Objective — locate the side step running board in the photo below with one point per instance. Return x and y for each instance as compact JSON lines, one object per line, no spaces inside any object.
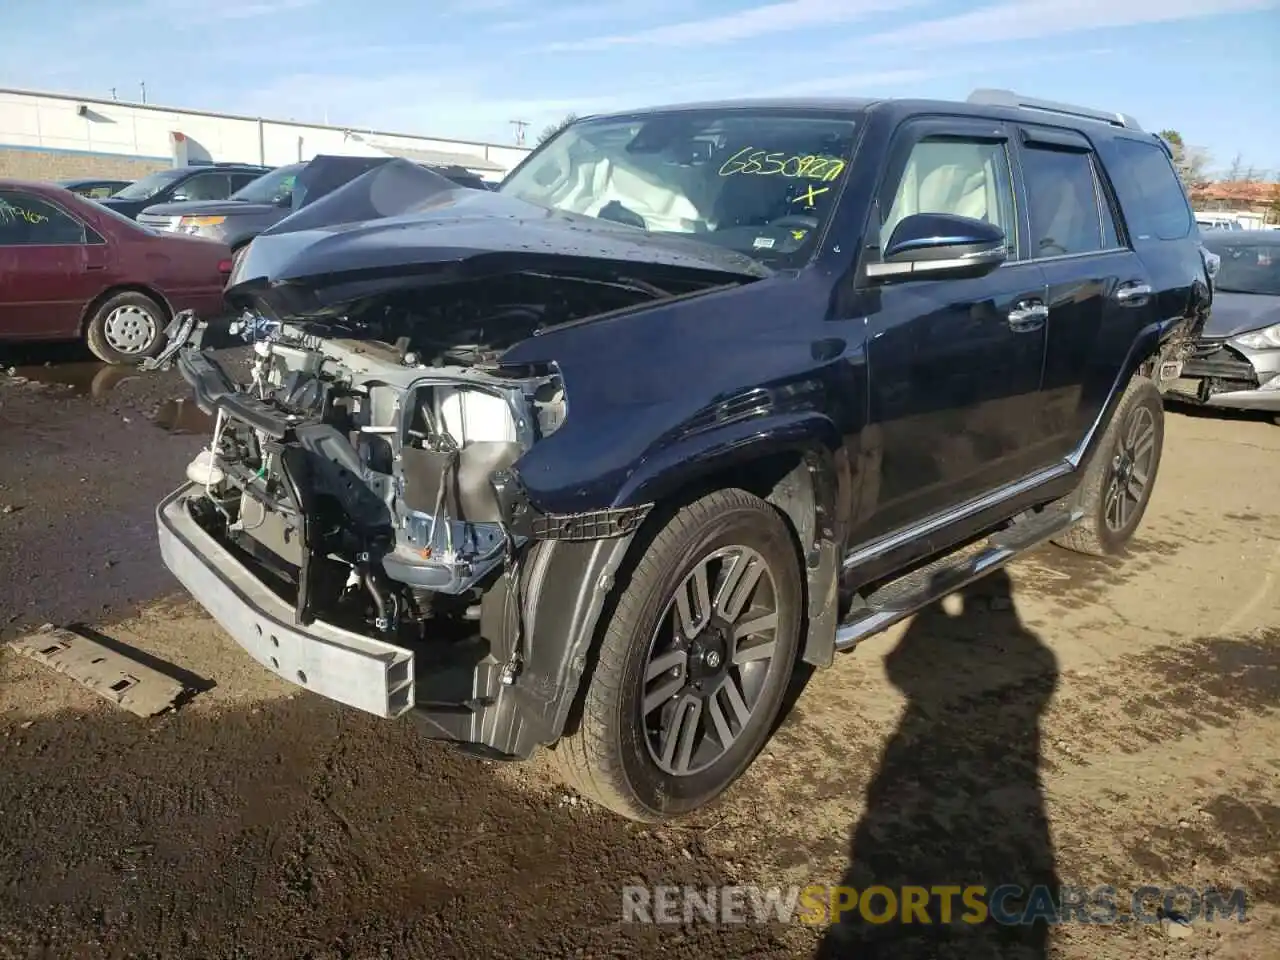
{"x":900,"y":598}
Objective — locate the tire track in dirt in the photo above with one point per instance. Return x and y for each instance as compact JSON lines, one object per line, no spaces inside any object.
{"x":1264,"y":594}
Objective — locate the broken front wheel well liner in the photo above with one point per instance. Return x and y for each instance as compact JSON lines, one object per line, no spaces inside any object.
{"x":783,"y":479}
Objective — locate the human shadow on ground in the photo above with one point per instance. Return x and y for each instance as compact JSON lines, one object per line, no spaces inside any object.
{"x":956,"y":801}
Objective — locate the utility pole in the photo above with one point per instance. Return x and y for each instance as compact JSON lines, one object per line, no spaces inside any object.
{"x":520,"y":126}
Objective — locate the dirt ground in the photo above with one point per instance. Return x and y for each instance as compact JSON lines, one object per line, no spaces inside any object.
{"x":1072,"y":722}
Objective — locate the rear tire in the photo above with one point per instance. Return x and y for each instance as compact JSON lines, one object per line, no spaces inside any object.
{"x":1117,"y":484}
{"x":126,"y":327}
{"x":694,"y":664}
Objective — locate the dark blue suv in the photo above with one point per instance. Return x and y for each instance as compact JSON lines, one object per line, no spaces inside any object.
{"x":591,"y":461}
{"x":209,"y":181}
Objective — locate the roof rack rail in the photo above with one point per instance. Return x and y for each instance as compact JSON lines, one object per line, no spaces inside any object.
{"x":1007,"y":98}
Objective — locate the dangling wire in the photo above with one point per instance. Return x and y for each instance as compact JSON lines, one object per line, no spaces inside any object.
{"x":218,"y":425}
{"x":511,"y":570}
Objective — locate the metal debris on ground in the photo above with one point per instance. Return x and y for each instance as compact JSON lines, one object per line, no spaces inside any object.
{"x":136,"y":687}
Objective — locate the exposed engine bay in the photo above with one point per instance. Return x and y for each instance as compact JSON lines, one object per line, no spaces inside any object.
{"x":471,"y":324}
{"x":367,"y":467}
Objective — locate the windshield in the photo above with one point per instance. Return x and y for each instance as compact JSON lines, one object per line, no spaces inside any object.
{"x":761,"y":182}
{"x":149,"y":186}
{"x":275,"y":187}
{"x":1247,"y":266}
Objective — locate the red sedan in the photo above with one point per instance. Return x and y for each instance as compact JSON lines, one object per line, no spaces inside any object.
{"x":71,"y":268}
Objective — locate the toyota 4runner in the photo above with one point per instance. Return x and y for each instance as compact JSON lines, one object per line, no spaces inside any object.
{"x":591,"y":461}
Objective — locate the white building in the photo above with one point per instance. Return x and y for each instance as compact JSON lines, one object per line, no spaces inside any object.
{"x":48,"y":136}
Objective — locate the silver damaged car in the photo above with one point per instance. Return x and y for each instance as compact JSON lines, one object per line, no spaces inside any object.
{"x":1236,"y":363}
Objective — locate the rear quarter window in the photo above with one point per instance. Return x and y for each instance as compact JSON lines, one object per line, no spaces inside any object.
{"x":1151,"y":196}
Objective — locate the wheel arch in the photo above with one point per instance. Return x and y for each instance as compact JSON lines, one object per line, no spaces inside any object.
{"x":150,"y":292}
{"x":1145,"y":354}
{"x":577,"y":584}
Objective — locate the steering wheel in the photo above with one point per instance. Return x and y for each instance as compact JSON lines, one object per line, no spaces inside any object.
{"x":796,"y":220}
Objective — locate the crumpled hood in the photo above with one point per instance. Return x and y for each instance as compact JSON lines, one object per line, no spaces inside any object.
{"x":1236,"y":313}
{"x":208,"y":208}
{"x":400,"y":225}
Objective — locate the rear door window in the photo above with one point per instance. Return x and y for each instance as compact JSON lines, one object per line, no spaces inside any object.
{"x":27,"y":220}
{"x":1066,"y":205}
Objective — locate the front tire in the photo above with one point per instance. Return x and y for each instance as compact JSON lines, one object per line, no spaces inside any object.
{"x":1117,"y":484}
{"x":694,"y":664}
{"x":125,"y":328}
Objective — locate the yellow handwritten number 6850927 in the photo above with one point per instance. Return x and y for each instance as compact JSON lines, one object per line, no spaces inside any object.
{"x":764,"y":163}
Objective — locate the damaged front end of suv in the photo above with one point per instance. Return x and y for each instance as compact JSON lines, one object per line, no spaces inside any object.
{"x":367,"y":520}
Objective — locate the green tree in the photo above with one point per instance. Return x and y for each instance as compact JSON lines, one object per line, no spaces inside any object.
{"x":552,"y":129}
{"x":1190,"y":162}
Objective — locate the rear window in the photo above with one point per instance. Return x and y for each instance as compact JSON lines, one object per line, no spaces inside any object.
{"x":1151,"y":195}
{"x":27,"y":220}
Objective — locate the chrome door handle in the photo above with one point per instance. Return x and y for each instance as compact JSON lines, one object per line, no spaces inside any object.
{"x":1133,"y":294}
{"x":1028,"y":315}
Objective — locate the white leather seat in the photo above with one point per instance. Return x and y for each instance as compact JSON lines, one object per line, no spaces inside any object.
{"x":945,"y":177}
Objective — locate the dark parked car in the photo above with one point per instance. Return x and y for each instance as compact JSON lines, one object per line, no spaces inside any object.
{"x":94,"y":189}
{"x":71,"y":268}
{"x":237,"y":219}
{"x":592,"y":460}
{"x":272,"y":197}
{"x":1236,"y":364}
{"x":215,"y":181}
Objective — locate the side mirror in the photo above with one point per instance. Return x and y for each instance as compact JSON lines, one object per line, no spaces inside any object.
{"x":940,"y":246}
{"x":178,"y":196}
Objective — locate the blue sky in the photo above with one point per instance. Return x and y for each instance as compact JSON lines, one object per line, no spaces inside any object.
{"x":464,"y":68}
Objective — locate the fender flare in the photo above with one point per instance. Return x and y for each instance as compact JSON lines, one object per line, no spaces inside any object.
{"x":811,"y":496}
{"x":714,"y":451}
